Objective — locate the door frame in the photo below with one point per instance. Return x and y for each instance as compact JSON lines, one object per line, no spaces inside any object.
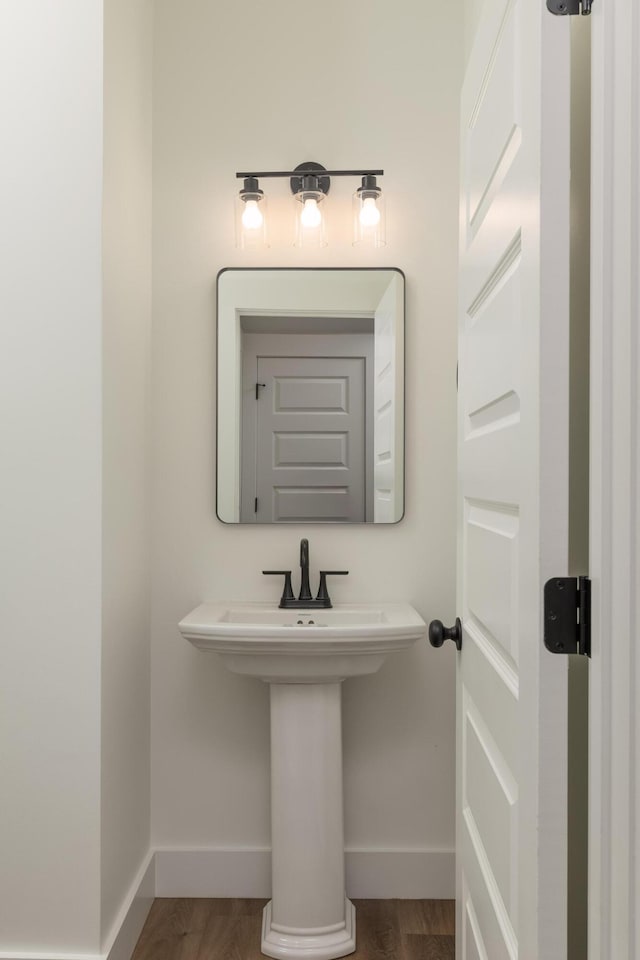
{"x":614,"y":711}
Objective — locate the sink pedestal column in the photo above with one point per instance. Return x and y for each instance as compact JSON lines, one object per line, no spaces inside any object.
{"x":309,"y":915}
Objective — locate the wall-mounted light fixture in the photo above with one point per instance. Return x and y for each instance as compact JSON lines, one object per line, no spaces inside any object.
{"x":310,"y":183}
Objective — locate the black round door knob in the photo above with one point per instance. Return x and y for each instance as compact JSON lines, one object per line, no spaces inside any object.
{"x":438,"y":633}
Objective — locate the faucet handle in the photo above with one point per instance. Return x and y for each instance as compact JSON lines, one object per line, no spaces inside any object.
{"x":323,"y":593}
{"x":287,"y":590}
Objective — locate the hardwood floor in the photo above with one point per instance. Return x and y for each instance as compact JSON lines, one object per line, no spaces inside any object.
{"x":190,"y":929}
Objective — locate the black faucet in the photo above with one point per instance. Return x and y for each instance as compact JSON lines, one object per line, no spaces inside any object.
{"x":305,"y":589}
{"x":305,"y":599}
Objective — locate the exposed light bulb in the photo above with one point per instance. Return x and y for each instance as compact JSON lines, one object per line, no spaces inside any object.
{"x":311,"y":215}
{"x":252,"y":218}
{"x":369,"y":213}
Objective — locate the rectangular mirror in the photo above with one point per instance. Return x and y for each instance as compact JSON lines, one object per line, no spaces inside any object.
{"x":310,"y":424}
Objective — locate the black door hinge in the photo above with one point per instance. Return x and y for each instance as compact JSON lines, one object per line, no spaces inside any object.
{"x":255,"y":505}
{"x":569,"y":8}
{"x":567,"y":615}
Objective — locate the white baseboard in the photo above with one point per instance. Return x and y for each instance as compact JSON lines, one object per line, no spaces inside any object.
{"x":128,"y":925}
{"x":126,"y":928}
{"x":246,"y":872}
{"x":401,"y":874}
{"x":228,"y":872}
{"x":41,"y":955}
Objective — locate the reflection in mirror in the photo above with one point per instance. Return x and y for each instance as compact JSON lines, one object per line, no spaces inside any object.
{"x":310,"y":396}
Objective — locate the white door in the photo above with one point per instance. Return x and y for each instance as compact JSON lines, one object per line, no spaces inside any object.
{"x":513,"y":485}
{"x":310,"y":450}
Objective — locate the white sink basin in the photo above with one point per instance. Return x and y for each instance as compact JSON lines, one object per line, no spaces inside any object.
{"x":303,"y":646}
{"x":304,"y":655}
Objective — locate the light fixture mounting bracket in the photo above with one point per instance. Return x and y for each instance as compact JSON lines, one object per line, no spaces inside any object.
{"x":313,"y":169}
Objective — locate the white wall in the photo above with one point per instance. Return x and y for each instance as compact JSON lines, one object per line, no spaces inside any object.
{"x":50,"y":475}
{"x":74,"y":620}
{"x":472,"y":15}
{"x":241,"y":85}
{"x":128,"y":36}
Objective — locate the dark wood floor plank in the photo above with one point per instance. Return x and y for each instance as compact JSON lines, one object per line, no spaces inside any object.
{"x":231,"y":907}
{"x":419,"y":946}
{"x":168,"y":923}
{"x":229,"y":929}
{"x":427,"y":916}
{"x":377,"y":931}
{"x":231,"y":938}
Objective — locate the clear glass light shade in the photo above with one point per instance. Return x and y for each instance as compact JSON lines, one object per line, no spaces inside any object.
{"x":310,"y":219}
{"x":369,"y":221}
{"x":251,"y":222}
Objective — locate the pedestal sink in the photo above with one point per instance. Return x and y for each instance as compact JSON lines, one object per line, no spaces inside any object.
{"x":304,"y":656}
